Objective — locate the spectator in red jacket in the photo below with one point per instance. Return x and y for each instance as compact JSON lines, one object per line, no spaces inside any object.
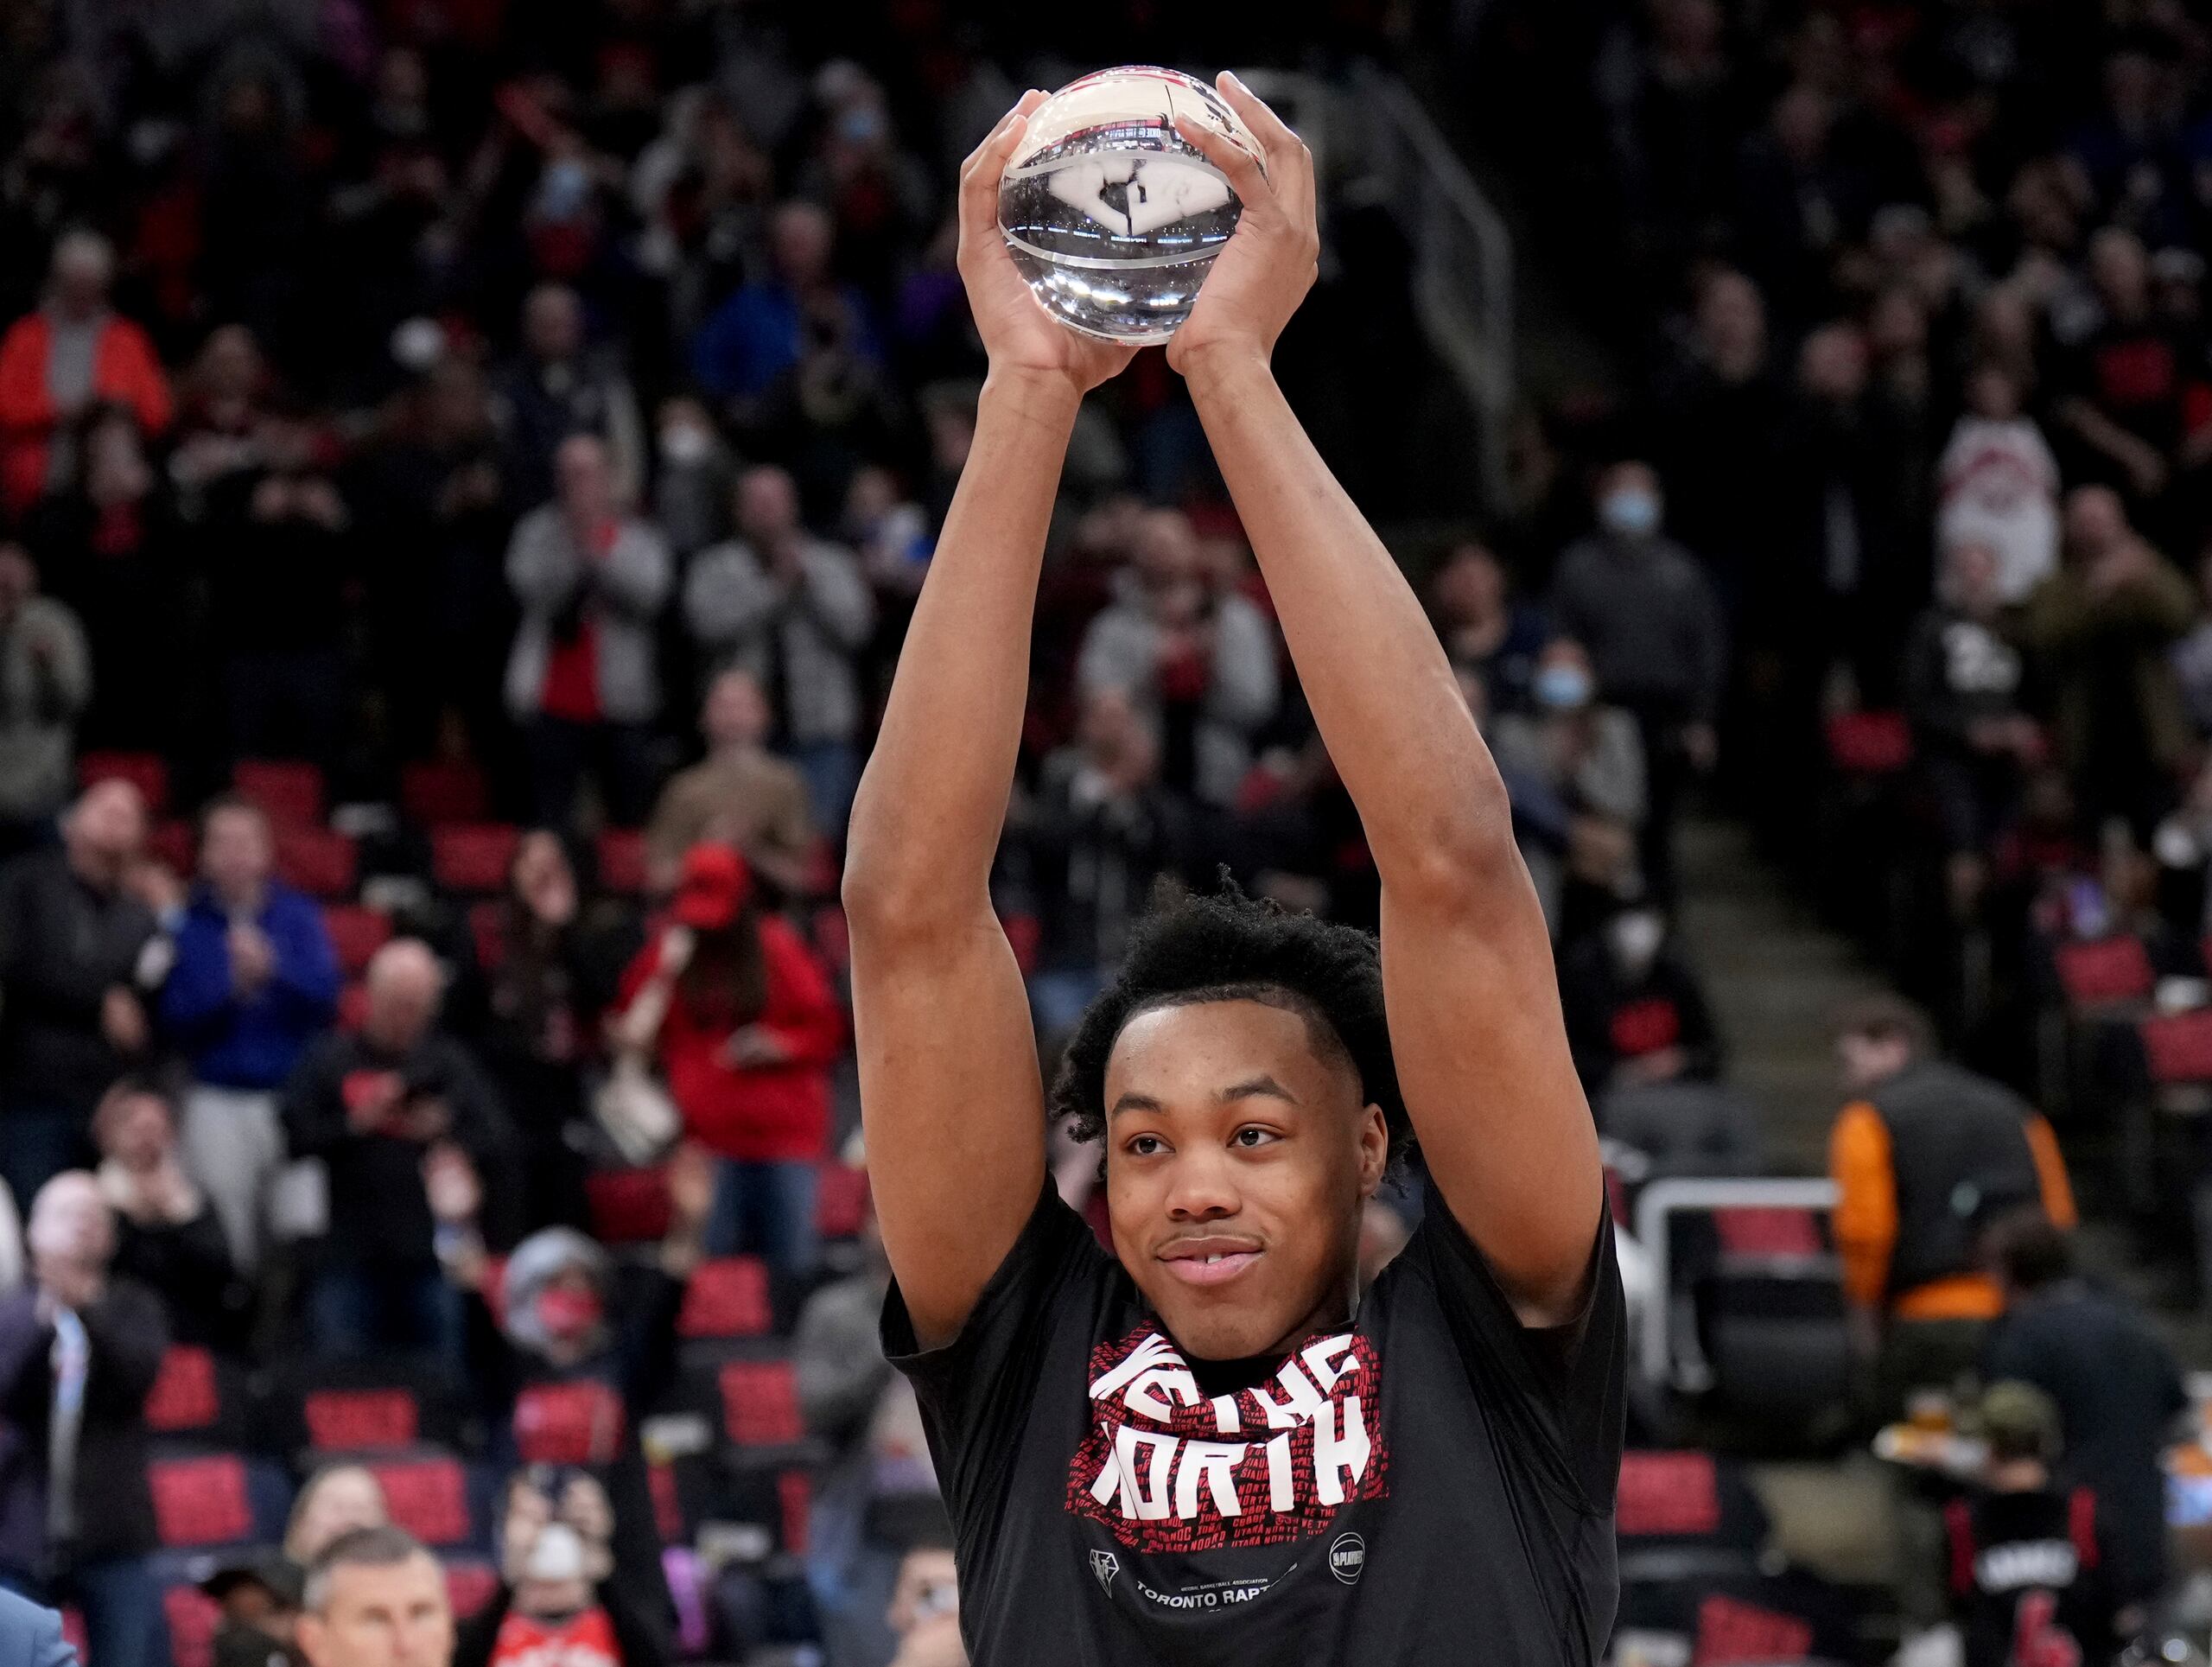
{"x":741,"y":1017}
{"x":58,"y":362}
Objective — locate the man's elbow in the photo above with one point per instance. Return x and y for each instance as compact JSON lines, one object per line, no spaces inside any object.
{"x":1461,"y":859}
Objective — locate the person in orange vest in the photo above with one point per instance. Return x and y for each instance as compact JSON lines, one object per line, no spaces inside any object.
{"x":1926,"y":1155}
{"x":60,"y":362}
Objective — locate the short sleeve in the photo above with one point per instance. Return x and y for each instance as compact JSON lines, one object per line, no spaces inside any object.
{"x":976,"y":1391}
{"x":1561,"y":1388}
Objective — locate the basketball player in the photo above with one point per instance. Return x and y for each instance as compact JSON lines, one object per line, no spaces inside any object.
{"x":1211,"y":1446}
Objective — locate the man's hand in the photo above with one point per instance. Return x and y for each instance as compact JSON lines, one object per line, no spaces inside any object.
{"x":1270,"y":262}
{"x":1019,"y":335}
{"x":253,"y":958}
{"x":450,"y":1183}
{"x":122,"y":1019}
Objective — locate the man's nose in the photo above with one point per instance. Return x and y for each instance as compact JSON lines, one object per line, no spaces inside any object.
{"x":1203,"y":1188}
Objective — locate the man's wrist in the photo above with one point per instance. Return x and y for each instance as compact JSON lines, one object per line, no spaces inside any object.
{"x":1225,"y":368}
{"x":1039,"y":395}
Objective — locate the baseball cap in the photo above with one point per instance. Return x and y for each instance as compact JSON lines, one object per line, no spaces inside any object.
{"x":2019,"y":1421}
{"x":270,"y":1568}
{"x":712,"y":886}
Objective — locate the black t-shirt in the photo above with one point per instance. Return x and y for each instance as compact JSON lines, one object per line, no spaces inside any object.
{"x":2027,"y":1575}
{"x":1434,"y":1483}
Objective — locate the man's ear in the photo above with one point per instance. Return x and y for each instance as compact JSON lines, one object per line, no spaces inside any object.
{"x":1374,"y":1150}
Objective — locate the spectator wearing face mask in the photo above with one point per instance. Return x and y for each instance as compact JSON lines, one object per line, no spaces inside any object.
{"x":1591,"y":756}
{"x":1962,"y":690}
{"x":558,"y":1597}
{"x":794,"y":611}
{"x":1197,"y":663}
{"x":1998,"y":486}
{"x":1636,"y":1014}
{"x":926,"y":1608}
{"x":578,"y":1344}
{"x":1645,"y":614}
{"x":691,"y":485}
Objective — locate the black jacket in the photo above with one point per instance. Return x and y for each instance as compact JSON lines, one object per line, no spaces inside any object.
{"x":379,"y":1214}
{"x":114,"y":1506}
{"x":63,"y":946}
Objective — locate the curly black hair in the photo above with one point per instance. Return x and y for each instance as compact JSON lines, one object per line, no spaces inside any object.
{"x":1228,"y":947}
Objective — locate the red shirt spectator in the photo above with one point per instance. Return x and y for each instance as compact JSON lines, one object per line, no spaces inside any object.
{"x":741,"y":1014}
{"x":70,"y":356}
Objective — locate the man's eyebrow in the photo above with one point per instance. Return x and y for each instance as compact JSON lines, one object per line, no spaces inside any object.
{"x":1260,"y":1087}
{"x":1134,"y":1102}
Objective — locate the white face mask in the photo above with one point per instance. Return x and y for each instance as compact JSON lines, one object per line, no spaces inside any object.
{"x":685,"y":444}
{"x":1634,"y":938}
{"x":1630,"y":512}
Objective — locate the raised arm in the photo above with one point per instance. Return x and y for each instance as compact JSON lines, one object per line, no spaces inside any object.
{"x":1473,"y":1004}
{"x":951,"y":1096}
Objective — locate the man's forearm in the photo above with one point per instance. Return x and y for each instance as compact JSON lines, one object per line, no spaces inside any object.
{"x":1382,"y":691}
{"x":929,"y":810}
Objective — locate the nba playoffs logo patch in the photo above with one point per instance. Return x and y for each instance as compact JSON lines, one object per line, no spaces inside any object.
{"x":1347,"y":1558}
{"x":1169,"y":1469}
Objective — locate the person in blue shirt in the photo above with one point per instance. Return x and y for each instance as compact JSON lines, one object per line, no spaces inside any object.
{"x":255,"y":980}
{"x":760,"y":331}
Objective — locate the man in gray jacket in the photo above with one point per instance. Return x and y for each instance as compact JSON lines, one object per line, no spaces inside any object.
{"x":795,"y":612}
{"x":1198,"y":659}
{"x":582,"y":682}
{"x":45,"y":677}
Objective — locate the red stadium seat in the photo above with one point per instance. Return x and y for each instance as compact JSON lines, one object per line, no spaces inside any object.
{"x":201,"y":1501}
{"x":760,"y":1402}
{"x":1733,"y":1633}
{"x":440,"y":791}
{"x":145,"y":771}
{"x":170,"y":844}
{"x":727,"y":1297}
{"x":474,"y":856}
{"x":488,"y":934}
{"x":289,"y":791}
{"x":1668,"y":1495}
{"x":1768,"y":1232}
{"x":629,"y":1206}
{"x":185,"y":1395}
{"x":318,"y":861}
{"x":1868,"y":743}
{"x":621,"y":853}
{"x":357,"y":932}
{"x":2177,"y":1046}
{"x":428,"y":1497}
{"x":795,"y":1499}
{"x":471,"y":1584}
{"x":841,"y":1201}
{"x":579,"y":1422}
{"x":344,"y":1421}
{"x":191,"y":1616}
{"x":2103,"y":971}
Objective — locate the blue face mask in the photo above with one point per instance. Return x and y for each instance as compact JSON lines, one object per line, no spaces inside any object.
{"x":1630,"y":512}
{"x":1563,"y":687}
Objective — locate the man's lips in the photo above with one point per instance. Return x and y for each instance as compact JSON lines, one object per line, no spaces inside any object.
{"x":1213,"y":1259}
